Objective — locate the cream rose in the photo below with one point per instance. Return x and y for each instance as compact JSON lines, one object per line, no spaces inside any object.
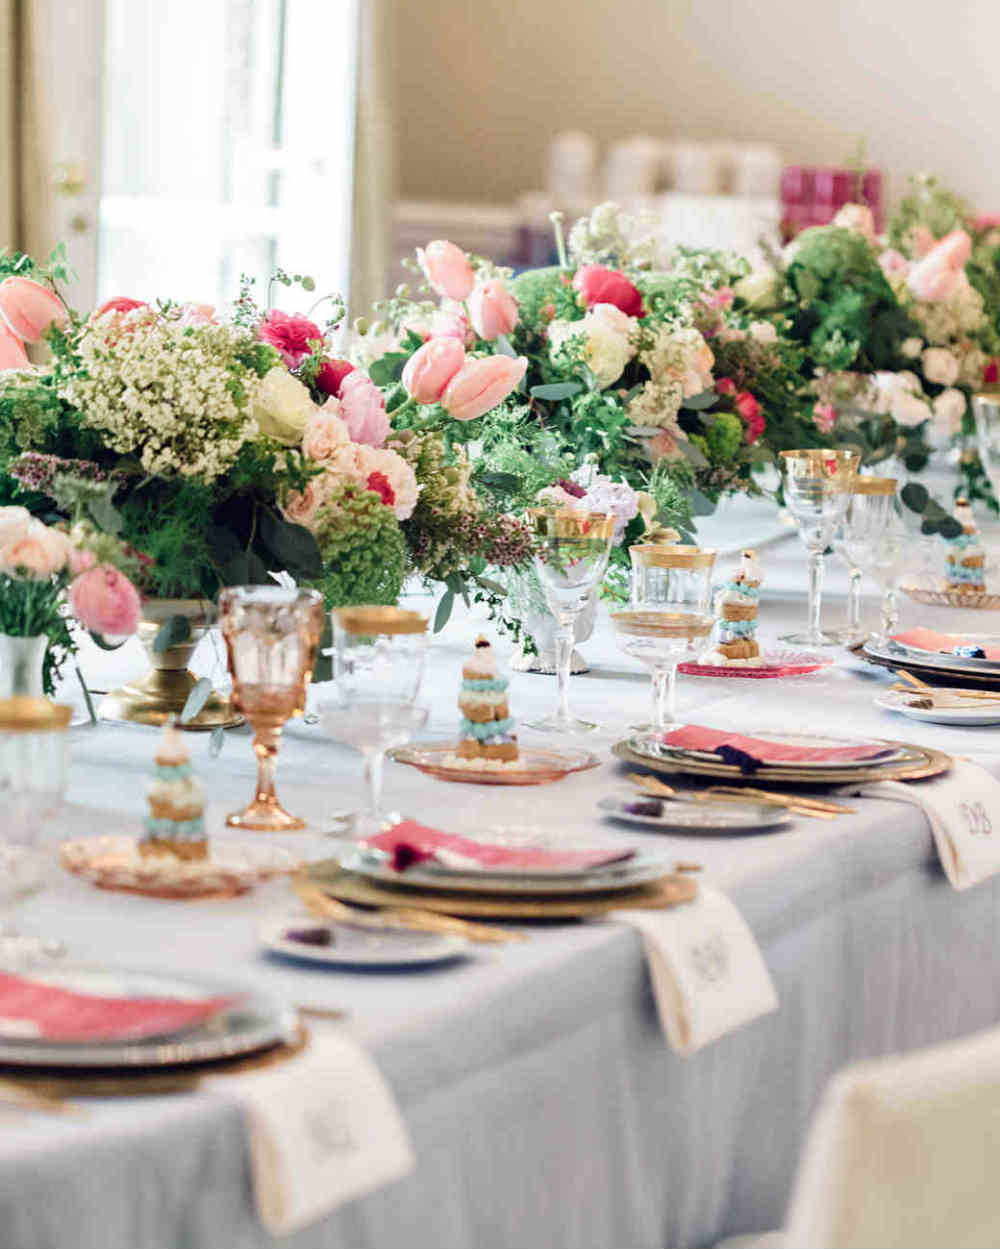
{"x":607,"y":336}
{"x":282,"y":406}
{"x":949,"y":408}
{"x":939,"y":366}
{"x":325,"y":431}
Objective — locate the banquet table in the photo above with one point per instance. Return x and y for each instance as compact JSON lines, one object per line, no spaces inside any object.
{"x":542,"y":1101}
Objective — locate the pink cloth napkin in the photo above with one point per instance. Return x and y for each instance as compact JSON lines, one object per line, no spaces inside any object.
{"x":33,"y":1008}
{"x":696,"y":737}
{"x":928,"y":640}
{"x":430,"y":840}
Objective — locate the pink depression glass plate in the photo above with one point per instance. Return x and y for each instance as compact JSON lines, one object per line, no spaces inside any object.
{"x":535,"y":766}
{"x":771,"y":664}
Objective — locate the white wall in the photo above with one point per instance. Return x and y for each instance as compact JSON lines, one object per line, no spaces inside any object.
{"x":482,"y":84}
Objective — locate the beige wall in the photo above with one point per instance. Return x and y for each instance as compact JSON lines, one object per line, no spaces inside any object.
{"x":483,"y":84}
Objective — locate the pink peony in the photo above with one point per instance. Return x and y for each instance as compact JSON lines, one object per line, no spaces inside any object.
{"x":379,"y":484}
{"x":447,"y":268}
{"x":941,"y":272}
{"x":824,"y":417}
{"x":399,"y":477}
{"x":492,"y":310}
{"x":431,"y":367}
{"x":290,"y":334}
{"x":197,"y":314}
{"x":363,"y":408}
{"x":12,"y":353}
{"x":106,"y":602}
{"x":29,"y":308}
{"x":480,"y":385}
{"x":599,"y":285}
{"x":120,"y":303}
{"x":331,"y":374}
{"x":325,"y":431}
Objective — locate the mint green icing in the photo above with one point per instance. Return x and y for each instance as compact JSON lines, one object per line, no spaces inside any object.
{"x":479,"y":685}
{"x":180,"y":830}
{"x":173,"y":771}
{"x":482,"y":732}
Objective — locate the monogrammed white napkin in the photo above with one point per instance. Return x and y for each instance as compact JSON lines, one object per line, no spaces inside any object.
{"x":963,"y":808}
{"x":707,"y":972}
{"x":323,"y":1128}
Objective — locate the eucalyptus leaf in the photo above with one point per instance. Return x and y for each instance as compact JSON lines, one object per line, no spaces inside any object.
{"x":105,"y":515}
{"x":491,"y":586}
{"x":950,"y":528}
{"x":698,"y":402}
{"x":692,"y":453}
{"x":292,"y":545}
{"x":443,"y":613}
{"x":928,"y":526}
{"x":174,"y":631}
{"x":201,"y":691}
{"x":914,"y":496}
{"x":556,"y":390}
{"x":216,"y":742}
{"x":103,"y":644}
{"x":502,"y":344}
{"x":389,"y":368}
{"x":701,"y":504}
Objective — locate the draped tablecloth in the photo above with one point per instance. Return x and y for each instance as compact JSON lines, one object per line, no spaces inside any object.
{"x":544,"y":1106}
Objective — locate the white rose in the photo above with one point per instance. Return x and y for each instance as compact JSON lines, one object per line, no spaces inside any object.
{"x":912,"y":347}
{"x":901,"y":396}
{"x":282,"y":406}
{"x":607,"y":335}
{"x":763,"y":332}
{"x":939,"y":366}
{"x":758,"y":290}
{"x":949,"y":408}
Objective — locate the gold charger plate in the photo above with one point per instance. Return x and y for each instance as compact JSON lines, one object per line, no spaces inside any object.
{"x":941,"y":596}
{"x":929,"y":763}
{"x":536,"y":765}
{"x":669,"y":890}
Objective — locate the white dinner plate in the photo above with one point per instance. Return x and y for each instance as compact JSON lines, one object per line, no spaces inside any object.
{"x":969,"y":713}
{"x":893,"y":752}
{"x":645,"y":865}
{"x":356,"y":946}
{"x":697,"y":817}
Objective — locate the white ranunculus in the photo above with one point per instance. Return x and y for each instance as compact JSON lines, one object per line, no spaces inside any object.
{"x":912,"y":347}
{"x":607,"y":334}
{"x":282,"y":406}
{"x":901,"y":396}
{"x":939,"y":366}
{"x":949,"y":408}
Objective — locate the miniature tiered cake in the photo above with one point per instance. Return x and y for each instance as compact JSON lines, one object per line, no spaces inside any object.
{"x":966,"y":560}
{"x":735,"y":640}
{"x":486,"y":729}
{"x":175,"y":824}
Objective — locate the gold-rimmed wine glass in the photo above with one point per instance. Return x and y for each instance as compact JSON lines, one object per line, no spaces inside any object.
{"x":877,"y":543}
{"x":272,"y":636}
{"x":669,"y":615}
{"x":816,"y":482}
{"x":571,"y":558}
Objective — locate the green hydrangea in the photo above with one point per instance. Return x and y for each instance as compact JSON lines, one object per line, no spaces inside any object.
{"x":363,"y":549}
{"x":723,"y":438}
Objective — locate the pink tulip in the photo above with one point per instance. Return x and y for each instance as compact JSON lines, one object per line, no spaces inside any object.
{"x":921,"y":241}
{"x":362,"y":408}
{"x":30,"y":308}
{"x":431,"y":367}
{"x":599,"y":285}
{"x":492,"y":310}
{"x":447,"y":268}
{"x":480,"y":385}
{"x":941,"y":271}
{"x":12,"y":353}
{"x":105,"y":601}
{"x":450,"y":323}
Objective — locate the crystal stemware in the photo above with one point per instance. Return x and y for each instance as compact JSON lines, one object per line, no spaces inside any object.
{"x":571,"y":557}
{"x":853,"y":633}
{"x":986,"y":411}
{"x":378,"y":667}
{"x":272,"y":636}
{"x":816,"y":482}
{"x":670,"y":613}
{"x":876,"y":542}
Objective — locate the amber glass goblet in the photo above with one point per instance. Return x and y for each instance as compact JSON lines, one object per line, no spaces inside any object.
{"x":271,"y":635}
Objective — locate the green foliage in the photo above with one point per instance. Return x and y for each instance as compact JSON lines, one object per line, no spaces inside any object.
{"x":363,"y":549}
{"x":929,"y":205}
{"x":31,"y":608}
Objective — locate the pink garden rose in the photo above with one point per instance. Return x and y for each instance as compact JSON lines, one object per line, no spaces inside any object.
{"x":301,"y":507}
{"x":35,"y":550}
{"x":106,"y":602}
{"x":599,"y":285}
{"x":492,"y":310}
{"x":941,"y":272}
{"x":362,"y":407}
{"x":431,"y":367}
{"x":480,"y":385}
{"x":29,"y":308}
{"x":12,"y":353}
{"x":325,"y":431}
{"x":664,"y":446}
{"x":290,"y":334}
{"x":824,"y":417}
{"x":447,"y":268}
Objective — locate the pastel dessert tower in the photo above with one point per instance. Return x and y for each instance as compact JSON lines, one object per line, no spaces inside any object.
{"x":486,"y":730}
{"x":966,"y":560}
{"x":175,"y":824}
{"x":736,"y":607}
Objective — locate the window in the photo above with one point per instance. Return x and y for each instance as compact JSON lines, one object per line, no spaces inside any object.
{"x":228,"y":144}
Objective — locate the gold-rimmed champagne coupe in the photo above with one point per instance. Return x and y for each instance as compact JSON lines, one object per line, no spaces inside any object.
{"x":272,"y":636}
{"x":571,"y":558}
{"x":816,"y":482}
{"x":669,"y":616}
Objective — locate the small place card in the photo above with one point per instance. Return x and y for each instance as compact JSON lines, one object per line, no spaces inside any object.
{"x":707,"y":972}
{"x":963,"y":808}
{"x":323,"y":1128}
